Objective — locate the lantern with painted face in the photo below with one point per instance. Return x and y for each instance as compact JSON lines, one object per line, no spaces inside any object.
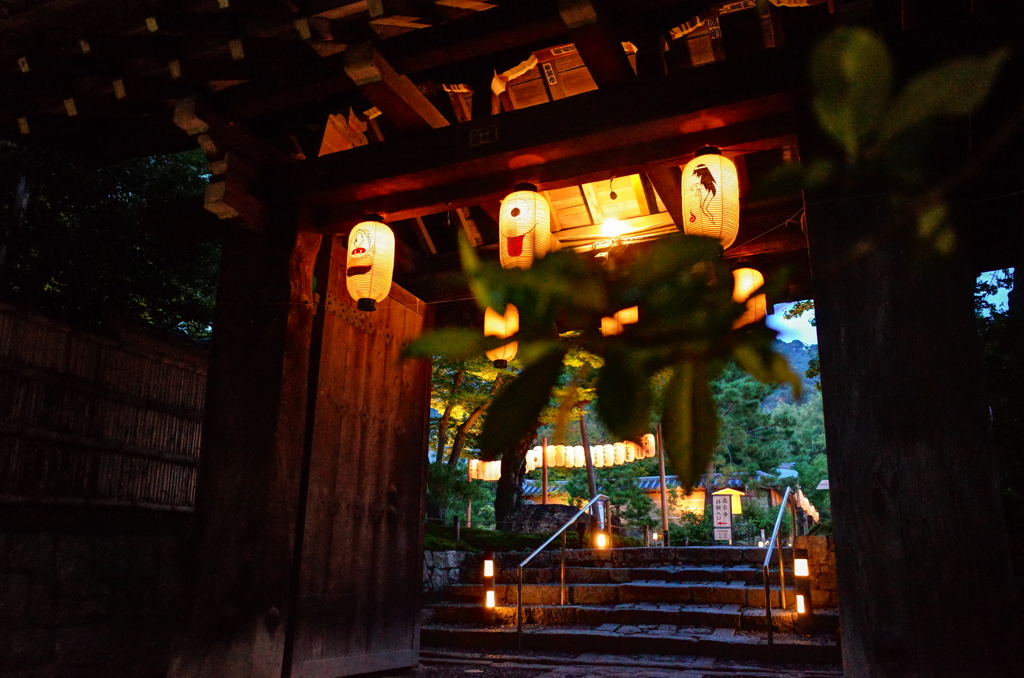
{"x":711,"y":197}
{"x":371,"y":262}
{"x":524,"y":227}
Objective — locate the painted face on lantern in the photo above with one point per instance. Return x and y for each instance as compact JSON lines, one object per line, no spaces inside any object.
{"x":360,"y":253}
{"x":704,"y":190}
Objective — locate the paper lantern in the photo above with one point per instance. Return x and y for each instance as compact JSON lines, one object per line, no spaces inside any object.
{"x":648,"y":445}
{"x":745,"y":281}
{"x":597,"y":456}
{"x":559,"y":455}
{"x":711,"y":197}
{"x":502,"y":327}
{"x":620,"y":454}
{"x":579,"y":457}
{"x":370,"y":263}
{"x":631,"y":449}
{"x":613,"y":326}
{"x":524,"y":227}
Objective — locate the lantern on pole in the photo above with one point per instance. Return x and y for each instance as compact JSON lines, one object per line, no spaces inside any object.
{"x":370,"y":263}
{"x":745,"y":281}
{"x":711,"y":197}
{"x":524,"y":227}
{"x":502,"y":327}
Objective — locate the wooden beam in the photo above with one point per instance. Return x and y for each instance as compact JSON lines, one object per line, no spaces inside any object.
{"x":596,"y":42}
{"x":423,"y":235}
{"x":401,"y":102}
{"x":667,"y":181}
{"x":558,"y":144}
{"x":469,"y":227}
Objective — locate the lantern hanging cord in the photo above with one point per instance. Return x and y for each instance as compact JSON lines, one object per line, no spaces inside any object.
{"x":773,"y":228}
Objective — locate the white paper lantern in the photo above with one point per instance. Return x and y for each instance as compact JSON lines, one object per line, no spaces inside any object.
{"x":524,"y":227}
{"x":711,"y":197}
{"x":597,"y":456}
{"x":631,"y":450}
{"x":502,"y":327}
{"x":620,"y":454}
{"x":559,"y":455}
{"x":647,"y":443}
{"x":745,"y":281}
{"x":370,"y":263}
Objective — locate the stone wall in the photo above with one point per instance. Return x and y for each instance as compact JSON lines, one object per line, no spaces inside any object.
{"x":442,"y":568}
{"x":821,"y":562}
{"x":88,"y":591}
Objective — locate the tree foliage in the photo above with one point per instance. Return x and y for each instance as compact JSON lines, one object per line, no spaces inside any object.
{"x":79,"y":247}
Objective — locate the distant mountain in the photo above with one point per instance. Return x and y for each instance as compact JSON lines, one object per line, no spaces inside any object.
{"x":798,"y":354}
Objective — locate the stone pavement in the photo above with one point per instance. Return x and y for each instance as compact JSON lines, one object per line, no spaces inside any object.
{"x":445,"y":664}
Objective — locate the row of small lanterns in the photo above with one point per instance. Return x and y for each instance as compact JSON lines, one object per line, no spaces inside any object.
{"x":710,"y":192}
{"x":571,"y":456}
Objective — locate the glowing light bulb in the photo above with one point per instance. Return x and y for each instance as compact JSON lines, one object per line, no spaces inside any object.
{"x":613,"y":228}
{"x":488,"y":568}
{"x":601,"y":540}
{"x":800,"y":568}
{"x":490,"y":599}
{"x":801,"y":606}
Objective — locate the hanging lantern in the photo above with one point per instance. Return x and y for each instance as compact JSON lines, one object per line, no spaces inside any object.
{"x":620,"y":454}
{"x":559,"y":455}
{"x":524,"y":227}
{"x":711,"y":197}
{"x":613,"y":326}
{"x":502,"y":327}
{"x":745,"y":281}
{"x":648,"y":445}
{"x":371,"y":262}
{"x":631,"y":451}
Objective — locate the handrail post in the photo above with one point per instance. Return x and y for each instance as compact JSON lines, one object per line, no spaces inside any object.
{"x":561,"y":592}
{"x":768,"y":609}
{"x":519,"y":610}
{"x":782,"y":581}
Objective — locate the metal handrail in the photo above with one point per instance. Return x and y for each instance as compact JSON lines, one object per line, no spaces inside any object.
{"x":561,"y":531}
{"x":782,"y":571}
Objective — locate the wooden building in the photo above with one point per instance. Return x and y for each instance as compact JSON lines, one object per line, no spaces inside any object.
{"x":428,"y":112}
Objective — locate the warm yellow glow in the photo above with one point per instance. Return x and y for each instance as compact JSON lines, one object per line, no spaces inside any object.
{"x":801,"y":606}
{"x":488,"y":568}
{"x":484,"y":470}
{"x":613,"y":228}
{"x":601,"y":540}
{"x":654,"y":536}
{"x":370,"y":262}
{"x":613,"y":326}
{"x":745,"y":281}
{"x":524,"y":228}
{"x":800,"y":568}
{"x":490,"y":599}
{"x":502,"y":327}
{"x":711,"y":197}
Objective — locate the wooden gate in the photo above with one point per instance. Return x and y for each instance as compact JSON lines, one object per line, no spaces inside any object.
{"x":360,"y":571}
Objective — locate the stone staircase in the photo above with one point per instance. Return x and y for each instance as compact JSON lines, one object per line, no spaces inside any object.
{"x":706,"y":601}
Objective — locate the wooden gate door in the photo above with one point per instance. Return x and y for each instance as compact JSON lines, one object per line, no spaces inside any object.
{"x":359,"y":577}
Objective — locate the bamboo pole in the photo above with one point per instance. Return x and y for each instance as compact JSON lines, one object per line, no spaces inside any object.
{"x":544,"y":471}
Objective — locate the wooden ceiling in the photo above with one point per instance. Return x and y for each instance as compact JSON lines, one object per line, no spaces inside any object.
{"x":427,"y":111}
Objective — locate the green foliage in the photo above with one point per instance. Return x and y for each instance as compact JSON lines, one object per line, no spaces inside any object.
{"x":82,"y":251}
{"x":685,"y":329}
{"x":630,"y":503}
{"x":691,"y":529}
{"x":440,"y":538}
{"x":448,"y":488}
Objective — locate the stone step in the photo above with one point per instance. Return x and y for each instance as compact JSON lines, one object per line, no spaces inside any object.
{"x":750,"y":574}
{"x":627,"y":558}
{"x":633,"y":639}
{"x":644,"y":591}
{"x":710,"y":615}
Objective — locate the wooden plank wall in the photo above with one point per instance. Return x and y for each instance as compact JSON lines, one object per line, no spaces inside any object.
{"x":108,"y":418}
{"x":361,"y":567}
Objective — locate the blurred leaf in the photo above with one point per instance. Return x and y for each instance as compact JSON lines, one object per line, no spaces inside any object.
{"x":790,"y":178}
{"x":517,"y":408}
{"x":852,"y":76}
{"x":454,"y":343}
{"x":768,"y":367}
{"x":954,"y":88}
{"x":624,"y":396}
{"x":690,"y":421}
{"x":472,"y":266}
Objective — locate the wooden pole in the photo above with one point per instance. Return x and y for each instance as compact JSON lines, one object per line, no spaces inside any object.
{"x":591,"y":478}
{"x":664,"y":489}
{"x":469,"y":502}
{"x":544,"y":471}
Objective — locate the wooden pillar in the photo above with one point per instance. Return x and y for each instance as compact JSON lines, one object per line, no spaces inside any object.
{"x":247,"y":495}
{"x":544,"y":471}
{"x":922,"y":560}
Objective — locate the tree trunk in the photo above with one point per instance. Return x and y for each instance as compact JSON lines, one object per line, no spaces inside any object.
{"x":509,"y":495}
{"x":442,"y":423}
{"x":462,"y":432}
{"x":921,"y":546}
